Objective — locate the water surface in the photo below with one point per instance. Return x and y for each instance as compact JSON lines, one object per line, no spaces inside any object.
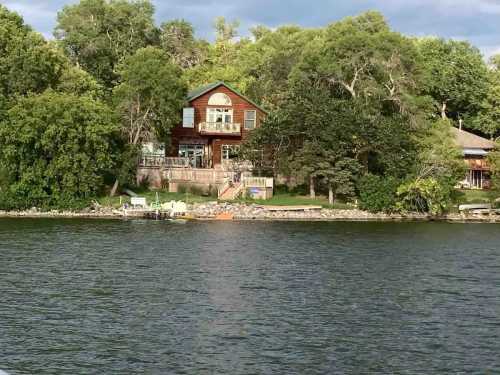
{"x":139,"y":297}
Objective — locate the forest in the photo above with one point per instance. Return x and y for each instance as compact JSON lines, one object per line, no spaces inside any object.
{"x":357,"y":111}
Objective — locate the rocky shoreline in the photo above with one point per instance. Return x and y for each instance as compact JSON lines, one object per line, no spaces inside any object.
{"x":243,"y":212}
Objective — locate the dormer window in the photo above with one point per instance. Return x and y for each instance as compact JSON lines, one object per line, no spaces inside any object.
{"x":219,"y":115}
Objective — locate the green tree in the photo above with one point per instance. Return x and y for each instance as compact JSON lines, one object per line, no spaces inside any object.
{"x":455,"y":76}
{"x":27,"y":62}
{"x":178,"y":41}
{"x":150,"y":96}
{"x":488,"y":119}
{"x":55,"y":150}
{"x":99,"y":34}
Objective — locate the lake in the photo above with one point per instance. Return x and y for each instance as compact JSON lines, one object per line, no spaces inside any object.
{"x":143,"y":297}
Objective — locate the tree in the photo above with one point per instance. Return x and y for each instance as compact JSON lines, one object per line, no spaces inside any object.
{"x":339,"y":174}
{"x":455,"y":76}
{"x":99,"y":34}
{"x":488,"y":118}
{"x":225,"y":32}
{"x":439,"y":156}
{"x":27,"y":62}
{"x":178,"y":41}
{"x":150,"y":96}
{"x":55,"y":149}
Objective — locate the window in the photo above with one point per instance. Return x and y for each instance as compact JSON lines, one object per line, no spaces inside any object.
{"x":219,"y":98}
{"x":188,"y":118}
{"x":230,"y":152}
{"x":220,"y":115}
{"x":250,"y":119}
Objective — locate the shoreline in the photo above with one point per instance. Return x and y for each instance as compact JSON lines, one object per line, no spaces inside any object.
{"x":241,"y":212}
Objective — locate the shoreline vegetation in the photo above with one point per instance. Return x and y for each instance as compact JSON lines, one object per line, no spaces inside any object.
{"x":283,"y":207}
{"x":356,"y":111}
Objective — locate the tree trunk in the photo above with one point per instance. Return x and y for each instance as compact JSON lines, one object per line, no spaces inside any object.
{"x":331,"y":197}
{"x":114,"y":189}
{"x":443,"y":111}
{"x":312,"y":192}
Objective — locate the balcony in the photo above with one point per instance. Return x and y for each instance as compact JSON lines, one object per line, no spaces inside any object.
{"x":220,"y":128}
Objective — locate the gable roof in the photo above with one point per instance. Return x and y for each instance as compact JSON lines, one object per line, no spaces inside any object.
{"x":196,"y":93}
{"x":468,"y":140}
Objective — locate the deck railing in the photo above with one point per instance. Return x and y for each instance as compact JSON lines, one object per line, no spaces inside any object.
{"x":151,"y":161}
{"x":258,"y":182}
{"x":173,"y":162}
{"x":219,"y":128}
{"x":196,"y":175}
{"x":159,"y":161}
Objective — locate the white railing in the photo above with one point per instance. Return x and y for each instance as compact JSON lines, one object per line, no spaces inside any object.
{"x":226,"y":184}
{"x":158,"y":161}
{"x":151,"y":161}
{"x":202,"y":176}
{"x":173,"y":162}
{"x":219,"y":128}
{"x":258,"y":182}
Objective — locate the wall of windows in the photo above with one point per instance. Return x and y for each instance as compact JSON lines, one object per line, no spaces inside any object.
{"x":219,"y":115}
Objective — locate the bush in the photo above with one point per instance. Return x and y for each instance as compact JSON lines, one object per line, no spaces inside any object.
{"x":424,"y":195}
{"x":377,"y":193}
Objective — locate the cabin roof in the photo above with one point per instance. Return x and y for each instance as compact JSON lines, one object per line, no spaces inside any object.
{"x":199,"y":91}
{"x":468,"y":140}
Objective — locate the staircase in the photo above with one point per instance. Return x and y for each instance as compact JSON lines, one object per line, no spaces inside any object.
{"x":231,"y":192}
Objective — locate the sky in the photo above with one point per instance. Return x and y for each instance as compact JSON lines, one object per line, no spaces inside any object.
{"x":475,"y":20}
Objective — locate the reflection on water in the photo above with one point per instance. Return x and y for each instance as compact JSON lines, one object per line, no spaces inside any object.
{"x":113,"y":297}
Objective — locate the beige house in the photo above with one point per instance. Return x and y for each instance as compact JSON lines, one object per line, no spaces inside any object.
{"x":475,"y":150}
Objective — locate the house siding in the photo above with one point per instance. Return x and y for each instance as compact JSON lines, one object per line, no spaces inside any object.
{"x":181,"y":135}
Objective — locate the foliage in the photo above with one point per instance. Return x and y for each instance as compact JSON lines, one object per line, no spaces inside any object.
{"x":423,"y":195}
{"x":55,"y":148}
{"x":150,"y":96}
{"x":439,"y":157}
{"x":494,"y":163}
{"x":178,"y":41}
{"x":378,"y":193}
{"x":488,"y":119}
{"x":99,"y":34}
{"x":27,"y":62}
{"x":455,"y":76}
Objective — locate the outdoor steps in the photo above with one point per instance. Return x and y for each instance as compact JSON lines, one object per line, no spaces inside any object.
{"x":231,"y":193}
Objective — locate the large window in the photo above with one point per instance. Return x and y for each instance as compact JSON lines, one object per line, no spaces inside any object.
{"x":219,"y":115}
{"x":250,"y":119}
{"x":230,"y":152}
{"x":193,"y":152}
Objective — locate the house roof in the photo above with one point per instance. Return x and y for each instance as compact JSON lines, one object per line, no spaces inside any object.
{"x":468,"y":140}
{"x":196,"y":93}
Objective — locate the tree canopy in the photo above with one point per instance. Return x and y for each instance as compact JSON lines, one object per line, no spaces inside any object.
{"x":355,"y":108}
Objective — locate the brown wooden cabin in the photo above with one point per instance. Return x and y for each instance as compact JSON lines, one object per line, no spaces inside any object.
{"x":215,"y":122}
{"x":475,"y":150}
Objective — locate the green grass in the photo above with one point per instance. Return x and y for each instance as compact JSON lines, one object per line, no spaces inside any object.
{"x":280,"y":199}
{"x":163,"y":196}
{"x":287,"y":199}
{"x":476,"y":196}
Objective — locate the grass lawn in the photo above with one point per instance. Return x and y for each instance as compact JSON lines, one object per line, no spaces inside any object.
{"x":286,"y":199}
{"x":281,"y":199}
{"x":476,"y":196}
{"x":163,"y":196}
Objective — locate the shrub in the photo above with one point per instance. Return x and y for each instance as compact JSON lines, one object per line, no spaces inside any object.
{"x":377,"y":193}
{"x":424,"y":195}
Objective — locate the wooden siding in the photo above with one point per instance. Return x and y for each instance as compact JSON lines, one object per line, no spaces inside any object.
{"x":200,"y":104}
